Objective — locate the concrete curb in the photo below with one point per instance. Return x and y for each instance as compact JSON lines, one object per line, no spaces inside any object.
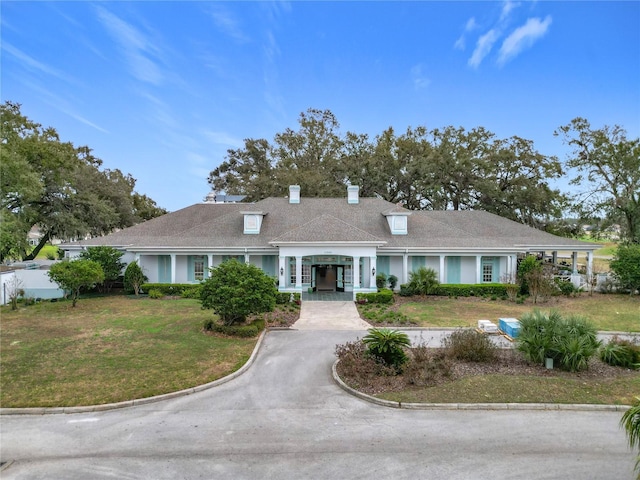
{"x":140,"y":401}
{"x":473,"y":406}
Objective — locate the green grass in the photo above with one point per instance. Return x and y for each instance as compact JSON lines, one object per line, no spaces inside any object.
{"x":525,"y":389}
{"x":607,"y":312}
{"x":109,"y":349}
{"x":48,"y":249}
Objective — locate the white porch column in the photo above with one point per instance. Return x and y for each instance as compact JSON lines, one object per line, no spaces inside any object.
{"x":589,"y":265}
{"x":356,"y":272}
{"x":210,"y":260}
{"x":173,"y":268}
{"x":298,"y":272}
{"x":554,"y":257}
{"x":441,"y":270}
{"x":405,"y":268}
{"x":574,"y":262}
{"x":372,"y":268}
{"x":282,"y":277}
{"x":478,"y":269}
{"x":246,"y":257}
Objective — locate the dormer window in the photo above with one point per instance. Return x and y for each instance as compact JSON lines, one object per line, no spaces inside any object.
{"x":398,"y":221}
{"x":252,"y":222}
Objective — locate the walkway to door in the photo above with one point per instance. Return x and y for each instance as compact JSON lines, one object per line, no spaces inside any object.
{"x":327,"y":297}
{"x":332,"y":315}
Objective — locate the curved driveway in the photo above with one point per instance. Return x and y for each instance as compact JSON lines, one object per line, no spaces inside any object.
{"x":285,"y":418}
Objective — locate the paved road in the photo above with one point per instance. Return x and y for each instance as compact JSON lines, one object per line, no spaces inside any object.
{"x":286,"y":419}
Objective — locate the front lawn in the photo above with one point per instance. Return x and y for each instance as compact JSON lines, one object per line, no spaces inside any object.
{"x":109,"y":349}
{"x":608,"y":312}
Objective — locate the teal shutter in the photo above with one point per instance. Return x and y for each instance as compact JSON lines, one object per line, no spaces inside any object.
{"x":417,"y":262}
{"x":164,"y":269}
{"x":383,"y":265}
{"x":190,"y":269}
{"x":269,"y":265}
{"x":453,"y":270}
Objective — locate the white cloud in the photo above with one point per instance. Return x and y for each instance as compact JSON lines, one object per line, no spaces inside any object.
{"x":223,"y":138}
{"x":523,"y":37}
{"x":483,"y":47}
{"x":136,"y":46}
{"x":227,"y":23}
{"x":461,"y":42}
{"x":420,"y":79}
{"x":506,"y":9}
{"x":33,"y":64}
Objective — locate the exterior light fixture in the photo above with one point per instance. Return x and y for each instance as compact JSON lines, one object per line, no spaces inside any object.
{"x":373,"y":271}
{"x":281,"y":271}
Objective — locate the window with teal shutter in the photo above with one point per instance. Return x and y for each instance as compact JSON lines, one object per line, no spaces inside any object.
{"x":417,"y":262}
{"x":383,"y":265}
{"x":164,"y":268}
{"x":196,"y":268}
{"x":453,"y":269}
{"x":269,"y":265}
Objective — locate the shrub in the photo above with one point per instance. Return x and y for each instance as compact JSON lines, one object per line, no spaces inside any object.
{"x":75,"y":275}
{"x":426,"y":366}
{"x":155,"y":294}
{"x":470,"y":346}
{"x":387,"y":346}
{"x":626,"y":266}
{"x":109,"y":259}
{"x":528,"y":264}
{"x":423,"y":281}
{"x":186,"y":290}
{"x":236,"y":290}
{"x":134,"y":277}
{"x":621,"y":353}
{"x":393,"y":281}
{"x":405,"y":290}
{"x":471,"y":290}
{"x":357,"y":365}
{"x":381,"y":280}
{"x":244,"y":331}
{"x":565,"y":287}
{"x":570,"y":342}
{"x":283,"y":298}
{"x":384,"y":296}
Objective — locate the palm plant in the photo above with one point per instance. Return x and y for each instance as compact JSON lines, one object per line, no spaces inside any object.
{"x":630,"y":421}
{"x":387,"y":345}
{"x":423,"y":281}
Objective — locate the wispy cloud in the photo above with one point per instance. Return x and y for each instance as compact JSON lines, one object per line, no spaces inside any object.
{"x":227,"y":23}
{"x":469,"y":27}
{"x":523,"y":37}
{"x":137,"y":48}
{"x":419,"y":77}
{"x":32,"y":64}
{"x":483,"y":47}
{"x":63,"y":105}
{"x":223,"y":138}
{"x":507,"y":7}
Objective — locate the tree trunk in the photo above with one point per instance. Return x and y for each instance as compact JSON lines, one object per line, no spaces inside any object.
{"x":36,"y":251}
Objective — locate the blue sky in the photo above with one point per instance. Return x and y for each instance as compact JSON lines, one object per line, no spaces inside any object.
{"x":161,"y":90}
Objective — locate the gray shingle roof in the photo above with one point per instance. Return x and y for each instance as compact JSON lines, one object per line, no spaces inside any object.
{"x":209,"y":225}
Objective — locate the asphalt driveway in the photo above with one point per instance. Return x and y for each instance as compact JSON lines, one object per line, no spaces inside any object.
{"x":285,"y":418}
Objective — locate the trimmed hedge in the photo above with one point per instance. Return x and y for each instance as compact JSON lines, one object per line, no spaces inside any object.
{"x":184,"y":290}
{"x":285,"y":297}
{"x":243,"y":331}
{"x":384,"y":296}
{"x":471,"y":290}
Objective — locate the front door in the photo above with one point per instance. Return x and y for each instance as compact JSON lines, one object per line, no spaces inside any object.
{"x":326,"y":278}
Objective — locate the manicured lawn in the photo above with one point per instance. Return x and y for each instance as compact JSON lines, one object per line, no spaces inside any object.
{"x":608,"y":312}
{"x":526,"y":389}
{"x":109,"y":349}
